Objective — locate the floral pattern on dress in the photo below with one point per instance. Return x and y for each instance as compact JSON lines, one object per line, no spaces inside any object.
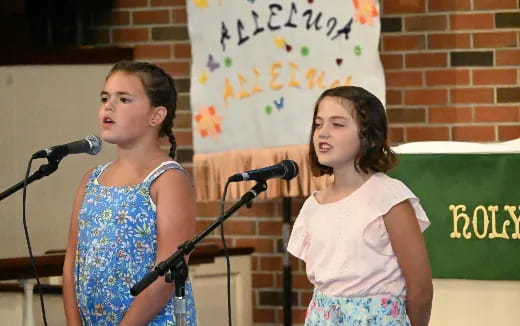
{"x":325,"y":310}
{"x":117,"y":245}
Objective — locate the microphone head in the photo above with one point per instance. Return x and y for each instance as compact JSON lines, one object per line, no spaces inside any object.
{"x":95,"y":144}
{"x":291,"y":169}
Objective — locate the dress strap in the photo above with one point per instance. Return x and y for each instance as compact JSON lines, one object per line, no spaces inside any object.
{"x":97,"y":172}
{"x":163,"y":167}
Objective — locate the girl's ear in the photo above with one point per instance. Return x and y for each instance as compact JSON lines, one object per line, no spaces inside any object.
{"x":158,"y":115}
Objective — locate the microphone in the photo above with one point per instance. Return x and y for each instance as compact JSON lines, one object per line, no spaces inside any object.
{"x":90,"y":145}
{"x":287,"y":169}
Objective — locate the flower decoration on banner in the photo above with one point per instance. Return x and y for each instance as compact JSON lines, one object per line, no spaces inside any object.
{"x":366,"y":10}
{"x":203,"y":78}
{"x":208,"y":122}
{"x":202,"y":4}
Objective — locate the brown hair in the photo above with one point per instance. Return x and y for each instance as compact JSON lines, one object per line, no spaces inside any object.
{"x":375,"y":154}
{"x":159,"y":88}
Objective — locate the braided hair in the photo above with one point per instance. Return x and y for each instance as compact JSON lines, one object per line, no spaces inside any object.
{"x":160,"y":89}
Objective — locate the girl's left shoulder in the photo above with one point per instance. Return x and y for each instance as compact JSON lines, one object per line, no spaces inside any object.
{"x":386,"y":186}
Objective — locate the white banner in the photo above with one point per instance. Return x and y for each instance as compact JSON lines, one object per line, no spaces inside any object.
{"x":259,"y":66}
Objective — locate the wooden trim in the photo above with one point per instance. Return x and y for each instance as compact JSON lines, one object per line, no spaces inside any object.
{"x":55,"y":56}
{"x":15,"y":287}
{"x":52,"y":265}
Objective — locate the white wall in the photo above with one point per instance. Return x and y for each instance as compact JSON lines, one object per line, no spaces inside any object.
{"x":42,"y":106}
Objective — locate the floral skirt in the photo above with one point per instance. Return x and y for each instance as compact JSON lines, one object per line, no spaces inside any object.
{"x":326,"y":310}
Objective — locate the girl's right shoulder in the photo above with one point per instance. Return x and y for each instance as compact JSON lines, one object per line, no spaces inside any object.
{"x":91,"y":175}
{"x":309,"y":203}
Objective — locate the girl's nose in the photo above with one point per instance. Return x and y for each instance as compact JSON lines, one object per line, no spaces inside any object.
{"x":323,"y":132}
{"x":109,"y":106}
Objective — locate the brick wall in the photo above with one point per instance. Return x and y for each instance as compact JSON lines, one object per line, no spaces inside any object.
{"x":452,"y":73}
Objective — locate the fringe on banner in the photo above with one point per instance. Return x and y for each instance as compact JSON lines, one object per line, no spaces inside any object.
{"x":212,"y":170}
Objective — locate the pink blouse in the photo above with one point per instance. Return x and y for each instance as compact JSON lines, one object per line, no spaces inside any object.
{"x":345,"y":244}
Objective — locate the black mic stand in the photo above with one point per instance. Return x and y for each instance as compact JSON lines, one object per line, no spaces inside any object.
{"x":46,"y":169}
{"x":175,"y":266}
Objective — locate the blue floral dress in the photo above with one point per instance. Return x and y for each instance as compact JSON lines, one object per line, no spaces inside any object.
{"x":117,"y":245}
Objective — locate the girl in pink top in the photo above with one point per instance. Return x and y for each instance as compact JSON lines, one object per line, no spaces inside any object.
{"x":361,"y":238}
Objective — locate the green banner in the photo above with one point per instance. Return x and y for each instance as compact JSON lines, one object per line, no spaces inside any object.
{"x":473,"y":202}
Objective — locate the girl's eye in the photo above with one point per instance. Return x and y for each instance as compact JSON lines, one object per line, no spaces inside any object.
{"x":338,"y":125}
{"x":125,"y":100}
{"x":317,"y":124}
{"x":104,"y":99}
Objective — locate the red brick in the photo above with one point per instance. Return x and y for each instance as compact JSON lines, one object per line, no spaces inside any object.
{"x":447,"y":77}
{"x":216,"y":240}
{"x":392,"y":61}
{"x":494,"y":40}
{"x":240,"y":227}
{"x":182,"y":50}
{"x":393,"y":97}
{"x":494,"y":4}
{"x":271,"y":263}
{"x":184,"y":138}
{"x":179,"y":16}
{"x":263,"y":280}
{"x":151,"y":17}
{"x":395,"y":135}
{"x":120,"y":17}
{"x":404,"y":78}
{"x":264,"y":315}
{"x":449,"y":41}
{"x":508,"y":132}
{"x":507,"y":57}
{"x":176,"y":68}
{"x":403,"y":42}
{"x":267,"y":209}
{"x":166,"y":3}
{"x":130,"y":3}
{"x":474,"y":133}
{"x":182,"y":120}
{"x":259,"y":208}
{"x":419,"y":60}
{"x":270,"y":228}
{"x":449,"y":5}
{"x":130,"y":35}
{"x":427,"y":133}
{"x":298,"y":315}
{"x":497,"y":114}
{"x":472,"y":21}
{"x":495,"y":77}
{"x":472,"y":95}
{"x":403,"y":6}
{"x":201,"y":225}
{"x":450,"y":114}
{"x":426,"y":23}
{"x":261,"y":245}
{"x":300,"y":281}
{"x":425,"y":96}
{"x":161,"y":51}
{"x":305,"y":298}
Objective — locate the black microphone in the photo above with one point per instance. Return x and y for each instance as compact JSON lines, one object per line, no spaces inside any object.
{"x":287,"y":169}
{"x":90,"y":145}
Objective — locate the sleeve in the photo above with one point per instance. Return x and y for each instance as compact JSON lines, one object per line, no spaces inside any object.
{"x":299,"y":240}
{"x":375,"y":234}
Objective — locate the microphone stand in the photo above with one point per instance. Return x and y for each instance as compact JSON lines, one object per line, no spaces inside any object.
{"x":46,"y":169}
{"x":175,"y":266}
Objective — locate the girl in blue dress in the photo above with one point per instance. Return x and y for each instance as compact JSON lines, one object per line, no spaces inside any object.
{"x":132,"y":213}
